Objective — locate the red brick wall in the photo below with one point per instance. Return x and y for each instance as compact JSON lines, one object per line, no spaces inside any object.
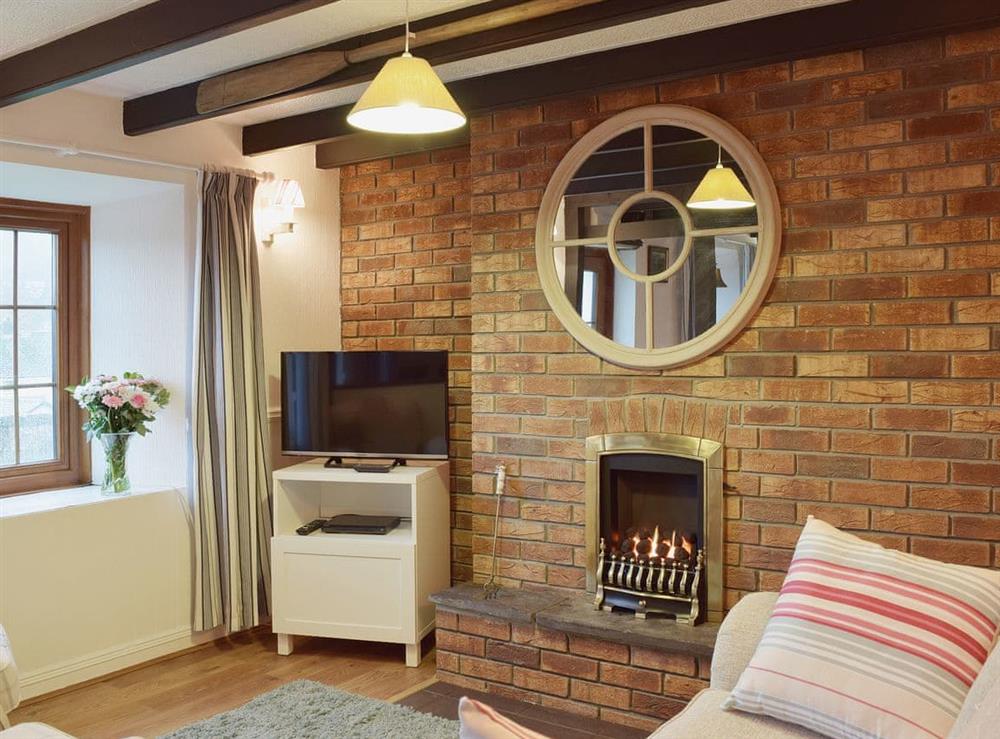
{"x":406,"y":268}
{"x":866,"y":388}
{"x":590,"y":677}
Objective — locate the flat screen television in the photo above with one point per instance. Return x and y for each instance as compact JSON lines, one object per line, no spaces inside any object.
{"x":383,"y":405}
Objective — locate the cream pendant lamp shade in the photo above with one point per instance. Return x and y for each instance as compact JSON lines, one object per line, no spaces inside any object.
{"x":406,"y":97}
{"x":720,"y":189}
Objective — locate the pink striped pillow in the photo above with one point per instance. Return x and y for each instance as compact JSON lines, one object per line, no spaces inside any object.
{"x":870,"y":642}
{"x":479,"y":721}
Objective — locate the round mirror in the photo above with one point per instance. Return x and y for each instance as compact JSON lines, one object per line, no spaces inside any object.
{"x":658,"y":236}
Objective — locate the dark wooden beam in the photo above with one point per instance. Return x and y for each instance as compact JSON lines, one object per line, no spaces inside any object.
{"x":362,"y":146}
{"x":142,"y":34}
{"x":185,"y":103}
{"x":823,"y":30}
{"x":365,"y":147}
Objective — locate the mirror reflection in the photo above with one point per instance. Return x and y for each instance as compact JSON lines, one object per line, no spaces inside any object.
{"x":649,"y":236}
{"x":681,"y":160}
{"x":607,"y":177}
{"x":684,"y":306}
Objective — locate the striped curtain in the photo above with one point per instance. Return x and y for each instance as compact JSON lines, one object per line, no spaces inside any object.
{"x":232,"y":469}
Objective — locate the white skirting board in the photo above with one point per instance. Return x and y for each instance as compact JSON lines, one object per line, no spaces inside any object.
{"x":104,"y":662}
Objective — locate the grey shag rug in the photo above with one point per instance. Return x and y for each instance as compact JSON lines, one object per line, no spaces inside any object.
{"x":309,"y":710}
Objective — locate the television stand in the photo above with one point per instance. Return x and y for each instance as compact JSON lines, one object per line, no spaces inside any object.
{"x":359,"y":586}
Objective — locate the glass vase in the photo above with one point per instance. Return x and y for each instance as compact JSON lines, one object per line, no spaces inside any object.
{"x":116,"y":463}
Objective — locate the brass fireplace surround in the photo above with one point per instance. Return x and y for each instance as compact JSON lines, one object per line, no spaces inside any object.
{"x":707,"y":451}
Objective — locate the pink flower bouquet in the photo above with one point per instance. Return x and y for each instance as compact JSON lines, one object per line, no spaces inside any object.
{"x":119,"y":406}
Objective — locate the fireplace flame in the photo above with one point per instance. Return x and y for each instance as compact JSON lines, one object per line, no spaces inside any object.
{"x":672,"y":551}
{"x":643,"y":545}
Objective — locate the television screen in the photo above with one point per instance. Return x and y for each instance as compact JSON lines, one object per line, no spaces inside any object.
{"x":365,"y":404}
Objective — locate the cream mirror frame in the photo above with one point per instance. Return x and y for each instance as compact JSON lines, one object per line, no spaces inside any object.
{"x":766,"y":229}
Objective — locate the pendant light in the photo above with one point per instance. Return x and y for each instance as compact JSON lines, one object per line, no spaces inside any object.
{"x":406,"y":97}
{"x":720,"y":189}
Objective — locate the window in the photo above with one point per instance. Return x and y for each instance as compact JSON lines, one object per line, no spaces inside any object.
{"x":44,"y":343}
{"x":589,"y":300}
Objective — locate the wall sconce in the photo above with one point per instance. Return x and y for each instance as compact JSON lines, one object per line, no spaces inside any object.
{"x":278,"y":216}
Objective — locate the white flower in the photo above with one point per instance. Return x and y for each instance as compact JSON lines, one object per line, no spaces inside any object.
{"x":86,"y":393}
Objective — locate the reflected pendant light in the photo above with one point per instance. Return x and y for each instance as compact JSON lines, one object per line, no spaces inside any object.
{"x":406,"y":97}
{"x":719,"y":282}
{"x":720,"y":189}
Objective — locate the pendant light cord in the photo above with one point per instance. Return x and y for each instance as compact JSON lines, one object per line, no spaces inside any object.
{"x":406,"y":42}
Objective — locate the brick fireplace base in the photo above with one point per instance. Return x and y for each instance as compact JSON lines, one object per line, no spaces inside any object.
{"x":553,"y":649}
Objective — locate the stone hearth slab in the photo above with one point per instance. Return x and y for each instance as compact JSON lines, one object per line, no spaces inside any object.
{"x":574,"y":613}
{"x":510,"y":604}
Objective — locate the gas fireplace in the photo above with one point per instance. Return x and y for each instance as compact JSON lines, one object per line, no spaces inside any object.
{"x":654,"y":525}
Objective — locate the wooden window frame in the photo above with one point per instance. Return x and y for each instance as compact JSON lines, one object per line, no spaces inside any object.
{"x":72,"y":223}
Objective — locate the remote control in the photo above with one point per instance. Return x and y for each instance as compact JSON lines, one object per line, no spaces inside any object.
{"x":310,"y":527}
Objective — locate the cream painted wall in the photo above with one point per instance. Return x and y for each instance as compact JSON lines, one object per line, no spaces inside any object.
{"x":91,"y":588}
{"x":70,"y":118}
{"x":300,"y":277}
{"x":92,"y":633}
{"x":90,"y":585}
{"x":300,"y":271}
{"x":141,"y":318}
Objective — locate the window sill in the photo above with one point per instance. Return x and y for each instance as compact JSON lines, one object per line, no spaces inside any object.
{"x":53,"y":500}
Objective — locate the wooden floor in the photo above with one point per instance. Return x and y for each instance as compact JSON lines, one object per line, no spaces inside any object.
{"x":167,"y":695}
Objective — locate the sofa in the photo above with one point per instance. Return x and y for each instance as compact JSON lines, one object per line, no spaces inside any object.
{"x":736,"y":643}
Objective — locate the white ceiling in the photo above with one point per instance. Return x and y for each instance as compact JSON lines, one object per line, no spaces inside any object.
{"x":54,"y":185}
{"x":25,"y":24}
{"x":339,"y":20}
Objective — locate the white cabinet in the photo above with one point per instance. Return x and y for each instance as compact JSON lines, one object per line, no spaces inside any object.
{"x":358,"y":586}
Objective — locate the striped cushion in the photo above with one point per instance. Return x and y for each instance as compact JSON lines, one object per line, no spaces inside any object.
{"x":870,"y":642}
{"x":479,"y":721}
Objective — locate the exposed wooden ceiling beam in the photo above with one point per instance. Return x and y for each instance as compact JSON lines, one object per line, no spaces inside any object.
{"x":364,"y":147}
{"x":462,"y":34}
{"x":142,"y":34}
{"x":822,"y":30}
{"x":243,"y":86}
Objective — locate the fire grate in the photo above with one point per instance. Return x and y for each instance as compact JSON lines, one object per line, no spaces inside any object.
{"x":647,"y":585}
